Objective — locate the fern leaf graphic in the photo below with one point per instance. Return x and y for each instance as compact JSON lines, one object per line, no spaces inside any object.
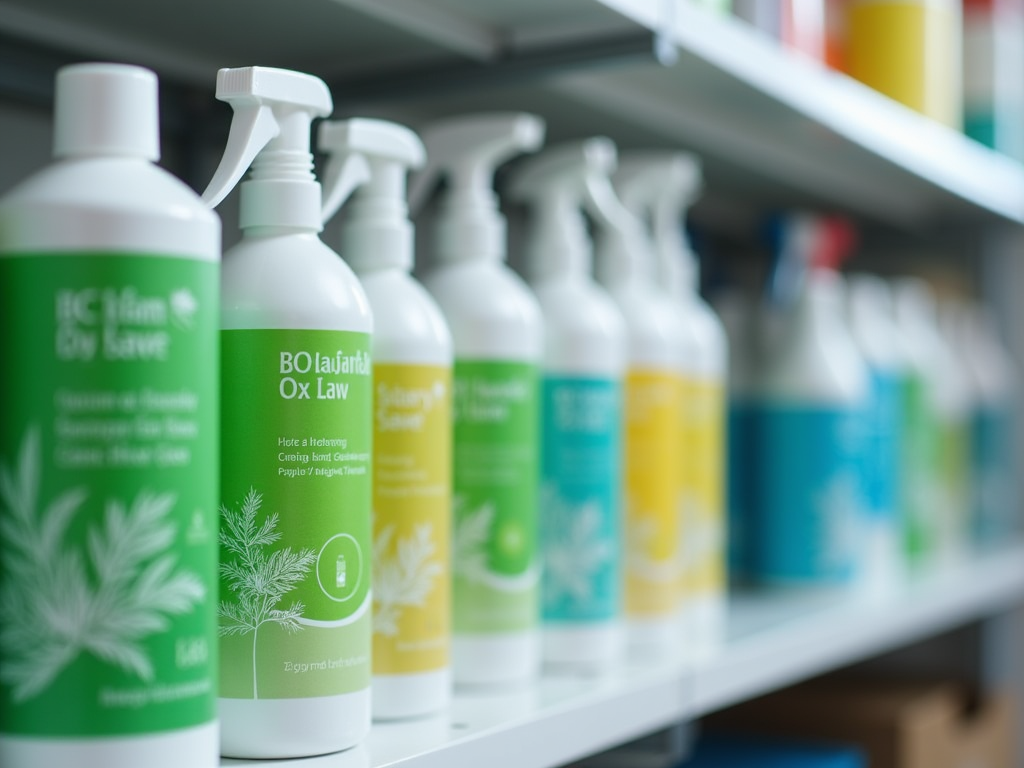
{"x":472,"y":530}
{"x":575,"y":549}
{"x":258,"y":579}
{"x":56,"y":605}
{"x":402,"y":578}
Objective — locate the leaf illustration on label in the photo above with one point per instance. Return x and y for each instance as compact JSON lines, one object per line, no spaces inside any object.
{"x":642,"y":538}
{"x":183,"y":307}
{"x":403,"y":575}
{"x":258,"y":576}
{"x":576,"y":550}
{"x":472,"y":530}
{"x":56,"y":603}
{"x":700,"y":538}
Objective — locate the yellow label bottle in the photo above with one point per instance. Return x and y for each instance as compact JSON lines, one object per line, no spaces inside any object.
{"x":411,"y":526}
{"x":651,"y":458}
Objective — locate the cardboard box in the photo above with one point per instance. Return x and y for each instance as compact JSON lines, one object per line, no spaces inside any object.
{"x":899,"y":725}
{"x":986,"y":734}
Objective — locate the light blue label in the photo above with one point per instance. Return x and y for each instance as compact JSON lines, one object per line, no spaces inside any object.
{"x":882,"y":457}
{"x":994,"y":511}
{"x":580,"y":469}
{"x":811,"y":516}
{"x":742,"y":483}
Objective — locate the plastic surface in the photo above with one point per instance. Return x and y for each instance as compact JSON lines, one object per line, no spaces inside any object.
{"x":659,"y":187}
{"x":107,"y":110}
{"x":281,"y":276}
{"x":584,"y":361}
{"x":495,"y":323}
{"x":106,"y":197}
{"x":811,"y":445}
{"x":270,"y":131}
{"x":466,"y":150}
{"x":554,"y":186}
{"x":377,"y":232}
{"x":936,"y":496}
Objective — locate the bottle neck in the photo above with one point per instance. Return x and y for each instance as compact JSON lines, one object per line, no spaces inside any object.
{"x":557,"y":243}
{"x":470,"y":228}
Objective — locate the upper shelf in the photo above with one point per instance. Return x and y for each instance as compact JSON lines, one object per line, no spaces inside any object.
{"x":773,"y":641}
{"x":774,"y":129}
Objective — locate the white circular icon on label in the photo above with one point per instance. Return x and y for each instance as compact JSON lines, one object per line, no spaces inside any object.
{"x":339,"y":567}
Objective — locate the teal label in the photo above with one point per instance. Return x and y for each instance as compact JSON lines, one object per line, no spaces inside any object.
{"x":495,"y":490}
{"x":742,"y":485}
{"x":993,"y":509}
{"x":108,"y":491}
{"x":580,"y":468}
{"x":295,"y":513}
{"x":812,"y":510}
{"x":882,"y":457}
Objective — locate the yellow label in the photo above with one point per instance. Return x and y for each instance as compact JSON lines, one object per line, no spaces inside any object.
{"x":701,"y":500}
{"x":412,"y":450}
{"x":650,"y":466}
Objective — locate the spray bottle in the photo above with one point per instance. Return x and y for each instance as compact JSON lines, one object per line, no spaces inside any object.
{"x":869,"y":314}
{"x":932,"y":522}
{"x":296,"y":439}
{"x":990,"y":368}
{"x":412,"y":351}
{"x":584,"y":362}
{"x":811,"y":515}
{"x":108,"y":550}
{"x":651,"y":400}
{"x":659,"y":187}
{"x":497,"y":330}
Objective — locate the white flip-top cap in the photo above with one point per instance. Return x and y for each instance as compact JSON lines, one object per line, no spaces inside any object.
{"x":106,"y":110}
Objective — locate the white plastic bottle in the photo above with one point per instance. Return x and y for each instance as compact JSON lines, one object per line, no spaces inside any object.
{"x":108,"y":444}
{"x":498,"y":334}
{"x":581,"y":410}
{"x":811,"y":514}
{"x":869,"y":315}
{"x":660,"y":187}
{"x":990,"y":368}
{"x":412,"y":371}
{"x":651,"y":423}
{"x":296,"y":438}
{"x":933,"y":400}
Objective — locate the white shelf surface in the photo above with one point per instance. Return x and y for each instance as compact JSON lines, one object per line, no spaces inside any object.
{"x":774,"y":640}
{"x":773,"y":127}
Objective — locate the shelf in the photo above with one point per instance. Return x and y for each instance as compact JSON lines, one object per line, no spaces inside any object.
{"x":775,"y":129}
{"x":774,"y":640}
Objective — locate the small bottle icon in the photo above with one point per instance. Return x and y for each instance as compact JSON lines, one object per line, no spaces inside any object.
{"x":340,"y":572}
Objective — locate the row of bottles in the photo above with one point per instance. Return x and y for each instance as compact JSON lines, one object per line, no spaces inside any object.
{"x":410,"y":475}
{"x":870,"y":433}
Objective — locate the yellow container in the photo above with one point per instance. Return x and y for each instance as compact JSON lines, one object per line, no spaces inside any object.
{"x":909,"y":50}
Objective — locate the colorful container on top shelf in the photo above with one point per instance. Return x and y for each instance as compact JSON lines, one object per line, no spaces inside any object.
{"x":909,"y":50}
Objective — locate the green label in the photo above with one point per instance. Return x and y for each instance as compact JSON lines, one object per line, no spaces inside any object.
{"x":108,"y":489}
{"x":495,"y":497}
{"x":920,"y":494}
{"x":295,"y":513}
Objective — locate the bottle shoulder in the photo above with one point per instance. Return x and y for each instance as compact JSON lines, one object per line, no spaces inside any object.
{"x":584,"y":331}
{"x":491,"y":312}
{"x":817,"y":362}
{"x":108,"y":204}
{"x":654,"y":336}
{"x":291,"y":281}
{"x":408,"y":325}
